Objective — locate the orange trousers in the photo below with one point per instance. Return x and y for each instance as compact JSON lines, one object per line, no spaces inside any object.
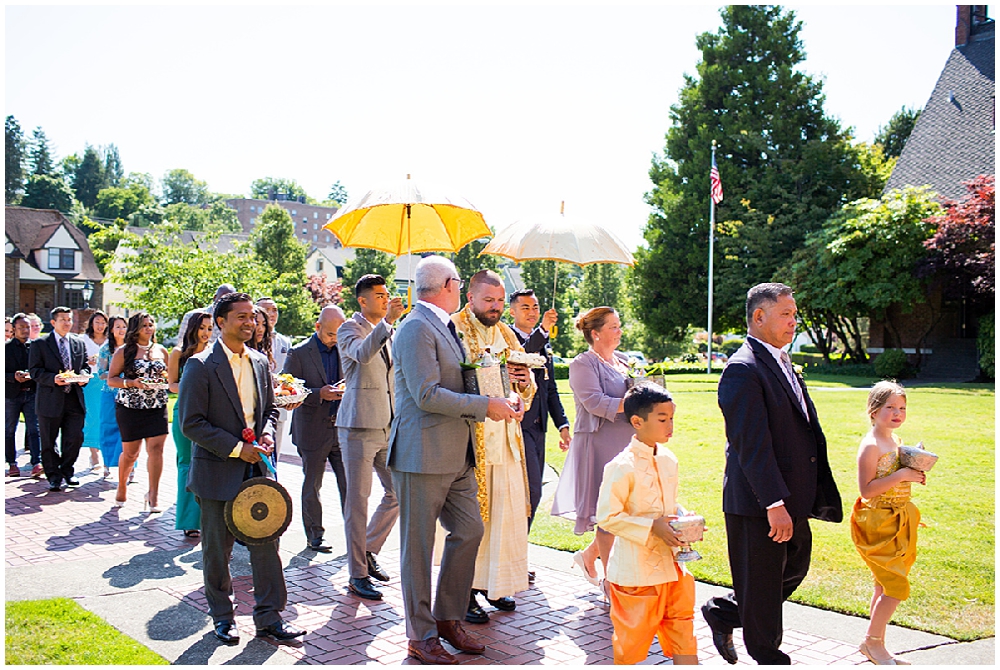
{"x":640,"y":613}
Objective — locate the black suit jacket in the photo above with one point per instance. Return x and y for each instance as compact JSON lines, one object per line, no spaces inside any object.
{"x":546,"y":403}
{"x":211,"y":416}
{"x":44,"y":363}
{"x":311,"y":421}
{"x":17,"y":360}
{"x":773,"y":452}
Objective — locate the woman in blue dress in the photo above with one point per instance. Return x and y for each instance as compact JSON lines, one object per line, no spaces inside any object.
{"x":110,"y":440}
{"x":195,"y":339}
{"x":94,"y":338}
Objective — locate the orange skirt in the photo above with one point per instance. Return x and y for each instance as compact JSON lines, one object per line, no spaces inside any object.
{"x":640,"y":613}
{"x":886,"y":538}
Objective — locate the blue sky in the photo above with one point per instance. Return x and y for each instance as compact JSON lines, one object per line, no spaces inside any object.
{"x":515,"y":108}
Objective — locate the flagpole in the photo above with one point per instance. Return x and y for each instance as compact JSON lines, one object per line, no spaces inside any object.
{"x":711,"y":258}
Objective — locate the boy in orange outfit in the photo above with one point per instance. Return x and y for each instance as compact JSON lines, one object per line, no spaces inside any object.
{"x":651,"y":593}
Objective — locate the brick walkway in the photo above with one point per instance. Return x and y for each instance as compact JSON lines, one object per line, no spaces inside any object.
{"x":560,"y":620}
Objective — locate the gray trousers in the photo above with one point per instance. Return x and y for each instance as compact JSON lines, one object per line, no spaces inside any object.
{"x":423,"y":499}
{"x":363,"y":450}
{"x":270,"y":595}
{"x":314,"y":457}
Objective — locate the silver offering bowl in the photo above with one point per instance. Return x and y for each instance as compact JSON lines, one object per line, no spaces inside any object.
{"x":691,"y":528}
{"x":917,"y":458}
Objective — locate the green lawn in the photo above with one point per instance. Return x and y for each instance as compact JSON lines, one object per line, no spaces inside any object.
{"x":60,"y":632}
{"x":952,"y":582}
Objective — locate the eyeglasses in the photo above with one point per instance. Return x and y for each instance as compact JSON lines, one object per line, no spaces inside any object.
{"x":461,"y":284}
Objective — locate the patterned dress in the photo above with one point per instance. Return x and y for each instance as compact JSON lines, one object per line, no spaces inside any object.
{"x":142,"y":413}
{"x":884,"y":530}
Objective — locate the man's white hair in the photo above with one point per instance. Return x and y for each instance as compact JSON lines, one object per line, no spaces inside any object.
{"x":431,"y":274}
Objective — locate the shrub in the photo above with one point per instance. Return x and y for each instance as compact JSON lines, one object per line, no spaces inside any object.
{"x":809,"y":349}
{"x":807,"y":360}
{"x":891,"y":363}
{"x":561,"y":370}
{"x":730,"y":346}
{"x":986,"y":342}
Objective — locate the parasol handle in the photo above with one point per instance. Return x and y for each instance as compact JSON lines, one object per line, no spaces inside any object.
{"x":409,"y":261}
{"x":409,"y":298}
{"x":555,"y":277}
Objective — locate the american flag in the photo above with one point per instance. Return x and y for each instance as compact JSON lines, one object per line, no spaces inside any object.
{"x":716,"y":182}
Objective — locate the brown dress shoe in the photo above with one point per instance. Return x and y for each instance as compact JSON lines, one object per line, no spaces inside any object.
{"x":430,"y":652}
{"x":453,"y":633}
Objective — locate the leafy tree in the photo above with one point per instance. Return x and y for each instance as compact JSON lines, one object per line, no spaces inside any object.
{"x":892,"y":137}
{"x":963,"y":250}
{"x":113,"y":169}
{"x":785,"y":167}
{"x":215,"y":218}
{"x":602,"y":285}
{"x":325,"y":292}
{"x":366,"y":261}
{"x":69,"y":165}
{"x":862,"y":263}
{"x":89,"y":177}
{"x":41,"y":154}
{"x":151,"y":214}
{"x":160,"y":258}
{"x":103,"y":239}
{"x":14,"y":166}
{"x":47,"y":192}
{"x":875,"y":168}
{"x":265,"y":188}
{"x":276,"y":246}
{"x":120,"y":202}
{"x":180,"y":186}
{"x":338,"y":193}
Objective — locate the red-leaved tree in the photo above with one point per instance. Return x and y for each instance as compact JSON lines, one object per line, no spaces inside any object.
{"x":325,"y":292}
{"x":963,"y":250}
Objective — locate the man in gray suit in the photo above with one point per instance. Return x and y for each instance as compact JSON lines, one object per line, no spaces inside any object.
{"x":432,"y":461}
{"x":225,"y":389}
{"x":365,"y":342}
{"x":314,"y":430}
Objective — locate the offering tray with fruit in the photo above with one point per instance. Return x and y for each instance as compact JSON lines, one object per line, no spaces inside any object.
{"x":289,"y":390}
{"x":71,"y":377}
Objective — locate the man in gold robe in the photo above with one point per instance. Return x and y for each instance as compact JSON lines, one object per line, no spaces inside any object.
{"x":502,"y":561}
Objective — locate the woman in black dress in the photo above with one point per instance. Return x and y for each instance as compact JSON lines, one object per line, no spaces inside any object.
{"x":139,"y":371}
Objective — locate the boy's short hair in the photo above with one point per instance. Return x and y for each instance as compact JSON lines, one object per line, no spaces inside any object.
{"x":641,"y":398}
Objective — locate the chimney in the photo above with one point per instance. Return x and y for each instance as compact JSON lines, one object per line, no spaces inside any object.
{"x":963,"y":25}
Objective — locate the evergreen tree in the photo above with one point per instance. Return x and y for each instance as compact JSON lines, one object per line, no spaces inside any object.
{"x":47,"y":192}
{"x":338,"y":194}
{"x":114,"y":171}
{"x":602,"y":285}
{"x":785,"y":167}
{"x":41,"y":154}
{"x":892,"y":137}
{"x":89,"y":178}
{"x":468,"y":261}
{"x":14,"y":161}
{"x":539,"y":276}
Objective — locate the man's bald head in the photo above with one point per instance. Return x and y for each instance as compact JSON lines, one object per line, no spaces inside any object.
{"x":329,"y":320}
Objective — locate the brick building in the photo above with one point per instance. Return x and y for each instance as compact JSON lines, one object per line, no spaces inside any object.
{"x":309,"y":219}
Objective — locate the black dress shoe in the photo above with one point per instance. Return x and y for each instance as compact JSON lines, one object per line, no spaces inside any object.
{"x":55,"y":487}
{"x":723,"y":641}
{"x":374,"y":569}
{"x":282,"y":631}
{"x":72,"y":482}
{"x":475,"y":613}
{"x":227,"y":633}
{"x":531,"y":577}
{"x":505,"y":604}
{"x":364,"y":588}
{"x":320,"y":547}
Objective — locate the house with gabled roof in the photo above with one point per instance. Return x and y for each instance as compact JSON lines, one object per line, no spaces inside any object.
{"x":48,"y":263}
{"x":953,"y":141}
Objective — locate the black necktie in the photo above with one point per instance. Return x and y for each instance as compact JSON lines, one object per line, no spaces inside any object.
{"x":454,"y":333}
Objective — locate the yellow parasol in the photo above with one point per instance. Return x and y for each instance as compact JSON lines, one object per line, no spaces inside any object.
{"x":408,"y":219}
{"x":560,"y":239}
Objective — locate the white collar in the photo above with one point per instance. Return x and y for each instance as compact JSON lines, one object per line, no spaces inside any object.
{"x":437,"y":311}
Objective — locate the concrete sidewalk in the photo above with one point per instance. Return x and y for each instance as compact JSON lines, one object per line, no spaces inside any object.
{"x":142,"y":576}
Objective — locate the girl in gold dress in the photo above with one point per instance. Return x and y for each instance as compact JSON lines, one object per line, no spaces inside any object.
{"x":884,"y":521}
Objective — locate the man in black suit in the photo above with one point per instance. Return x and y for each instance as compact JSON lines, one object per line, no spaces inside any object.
{"x":19,"y":399}
{"x":59,"y":405}
{"x":316,"y":361}
{"x":225,"y":389}
{"x":777,"y":477}
{"x":524,"y":308}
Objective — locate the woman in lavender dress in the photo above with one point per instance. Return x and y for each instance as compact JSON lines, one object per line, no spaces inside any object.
{"x":598,"y":378}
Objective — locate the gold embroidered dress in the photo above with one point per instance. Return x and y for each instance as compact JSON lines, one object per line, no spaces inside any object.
{"x":502,"y":562}
{"x":884,"y":530}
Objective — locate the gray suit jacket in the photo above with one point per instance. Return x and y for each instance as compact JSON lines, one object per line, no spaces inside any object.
{"x":434,"y":418}
{"x":369,"y":382}
{"x":311,"y":427}
{"x":211,"y":416}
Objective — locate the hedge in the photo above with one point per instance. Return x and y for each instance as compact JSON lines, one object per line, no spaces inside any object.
{"x":986,"y":342}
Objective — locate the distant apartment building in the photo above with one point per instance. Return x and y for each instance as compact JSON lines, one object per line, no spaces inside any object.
{"x":309,"y":219}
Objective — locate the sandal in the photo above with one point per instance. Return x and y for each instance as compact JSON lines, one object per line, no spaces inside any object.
{"x":864,"y":649}
{"x":192,"y":533}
